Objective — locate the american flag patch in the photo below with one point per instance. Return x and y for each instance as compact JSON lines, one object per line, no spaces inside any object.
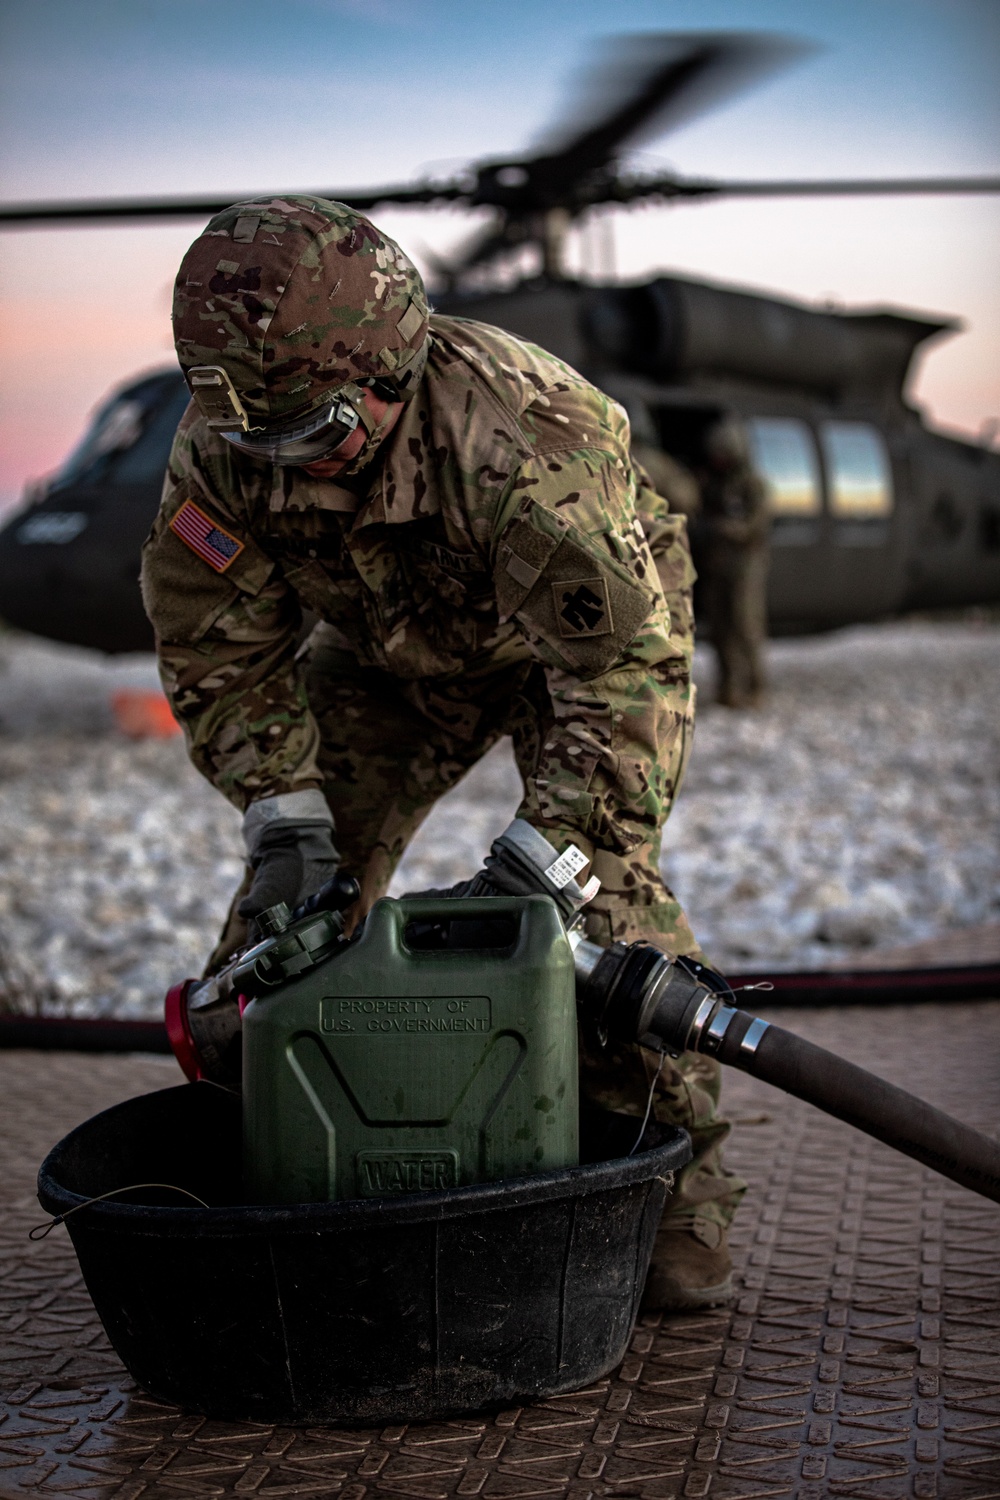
{"x":199,"y":532}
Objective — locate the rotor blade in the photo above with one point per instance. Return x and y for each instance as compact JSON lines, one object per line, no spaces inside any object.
{"x":627,"y":190}
{"x":648,"y":83}
{"x":486,"y":244}
{"x":96,"y":210}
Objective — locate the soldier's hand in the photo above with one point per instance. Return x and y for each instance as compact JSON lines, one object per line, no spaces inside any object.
{"x":522,"y":862}
{"x":289,"y":841}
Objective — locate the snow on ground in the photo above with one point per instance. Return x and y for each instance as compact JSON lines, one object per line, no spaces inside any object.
{"x":860,"y":809}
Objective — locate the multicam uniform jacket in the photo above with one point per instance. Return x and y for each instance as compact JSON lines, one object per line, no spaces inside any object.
{"x":503,"y":522}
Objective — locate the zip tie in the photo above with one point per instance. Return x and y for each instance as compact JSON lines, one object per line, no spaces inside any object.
{"x":215,"y":1084}
{"x":649,"y":1106}
{"x":39,"y":1231}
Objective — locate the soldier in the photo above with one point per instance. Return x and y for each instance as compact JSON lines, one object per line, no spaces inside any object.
{"x":667,"y":476}
{"x":735,"y":526}
{"x":459,"y":510}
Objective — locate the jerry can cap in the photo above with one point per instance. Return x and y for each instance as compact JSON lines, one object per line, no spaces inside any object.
{"x":275,"y":920}
{"x":290,"y":949}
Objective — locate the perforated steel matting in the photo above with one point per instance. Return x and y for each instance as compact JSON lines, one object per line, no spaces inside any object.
{"x":860,"y":1359}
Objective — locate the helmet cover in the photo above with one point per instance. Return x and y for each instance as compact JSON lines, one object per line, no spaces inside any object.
{"x":727,"y":443}
{"x":298,"y":299}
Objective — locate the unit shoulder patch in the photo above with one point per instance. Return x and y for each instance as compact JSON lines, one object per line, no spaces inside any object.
{"x":583,"y":607}
{"x":205,"y":537}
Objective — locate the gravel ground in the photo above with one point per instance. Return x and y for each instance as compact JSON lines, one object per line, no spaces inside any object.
{"x":859,"y":810}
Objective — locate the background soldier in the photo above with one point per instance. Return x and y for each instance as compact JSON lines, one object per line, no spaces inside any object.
{"x":668,"y":477}
{"x":735,"y":528}
{"x":459,"y":509}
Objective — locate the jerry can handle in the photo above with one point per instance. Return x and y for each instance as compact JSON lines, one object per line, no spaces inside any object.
{"x":389,"y":918}
{"x":413,"y":908}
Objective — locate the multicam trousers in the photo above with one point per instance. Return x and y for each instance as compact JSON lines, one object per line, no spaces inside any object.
{"x":386,"y":763}
{"x":736,"y":600}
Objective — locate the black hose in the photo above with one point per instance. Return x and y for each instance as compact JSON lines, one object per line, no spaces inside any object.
{"x":841,"y":1089}
{"x":633,"y":992}
{"x":861,"y":1099}
{"x":73,"y":1034}
{"x":934,"y":983}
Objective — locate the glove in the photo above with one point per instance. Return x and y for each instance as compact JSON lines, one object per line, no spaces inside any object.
{"x":289,"y":843}
{"x":522,"y":862}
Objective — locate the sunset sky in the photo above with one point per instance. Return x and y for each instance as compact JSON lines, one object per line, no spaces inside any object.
{"x":119,"y":97}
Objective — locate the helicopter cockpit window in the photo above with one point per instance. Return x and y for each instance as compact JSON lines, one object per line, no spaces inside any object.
{"x":784,"y":456}
{"x":117,"y":426}
{"x":859,"y":481}
{"x":129,"y":440}
{"x":145,"y":462}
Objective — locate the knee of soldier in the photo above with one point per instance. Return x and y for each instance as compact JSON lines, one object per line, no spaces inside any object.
{"x":619,"y":1077}
{"x":701,"y":1072}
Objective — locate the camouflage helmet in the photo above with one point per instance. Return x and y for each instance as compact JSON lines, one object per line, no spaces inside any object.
{"x":296,"y":301}
{"x":727,"y":443}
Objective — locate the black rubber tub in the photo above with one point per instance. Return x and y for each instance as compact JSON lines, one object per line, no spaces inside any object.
{"x":365,"y":1311}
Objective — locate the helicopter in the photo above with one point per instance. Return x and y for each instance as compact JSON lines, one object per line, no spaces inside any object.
{"x":872,"y":511}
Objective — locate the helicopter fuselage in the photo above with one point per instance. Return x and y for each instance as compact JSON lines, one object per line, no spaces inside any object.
{"x":872,"y":512}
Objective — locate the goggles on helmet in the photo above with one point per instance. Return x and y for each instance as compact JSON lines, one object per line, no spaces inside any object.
{"x":307,"y":440}
{"x":304,"y":442}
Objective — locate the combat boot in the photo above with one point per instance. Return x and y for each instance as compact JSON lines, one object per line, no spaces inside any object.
{"x":691,"y":1266}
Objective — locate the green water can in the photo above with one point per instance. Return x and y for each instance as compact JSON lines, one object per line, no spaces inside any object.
{"x":431,"y":1052}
